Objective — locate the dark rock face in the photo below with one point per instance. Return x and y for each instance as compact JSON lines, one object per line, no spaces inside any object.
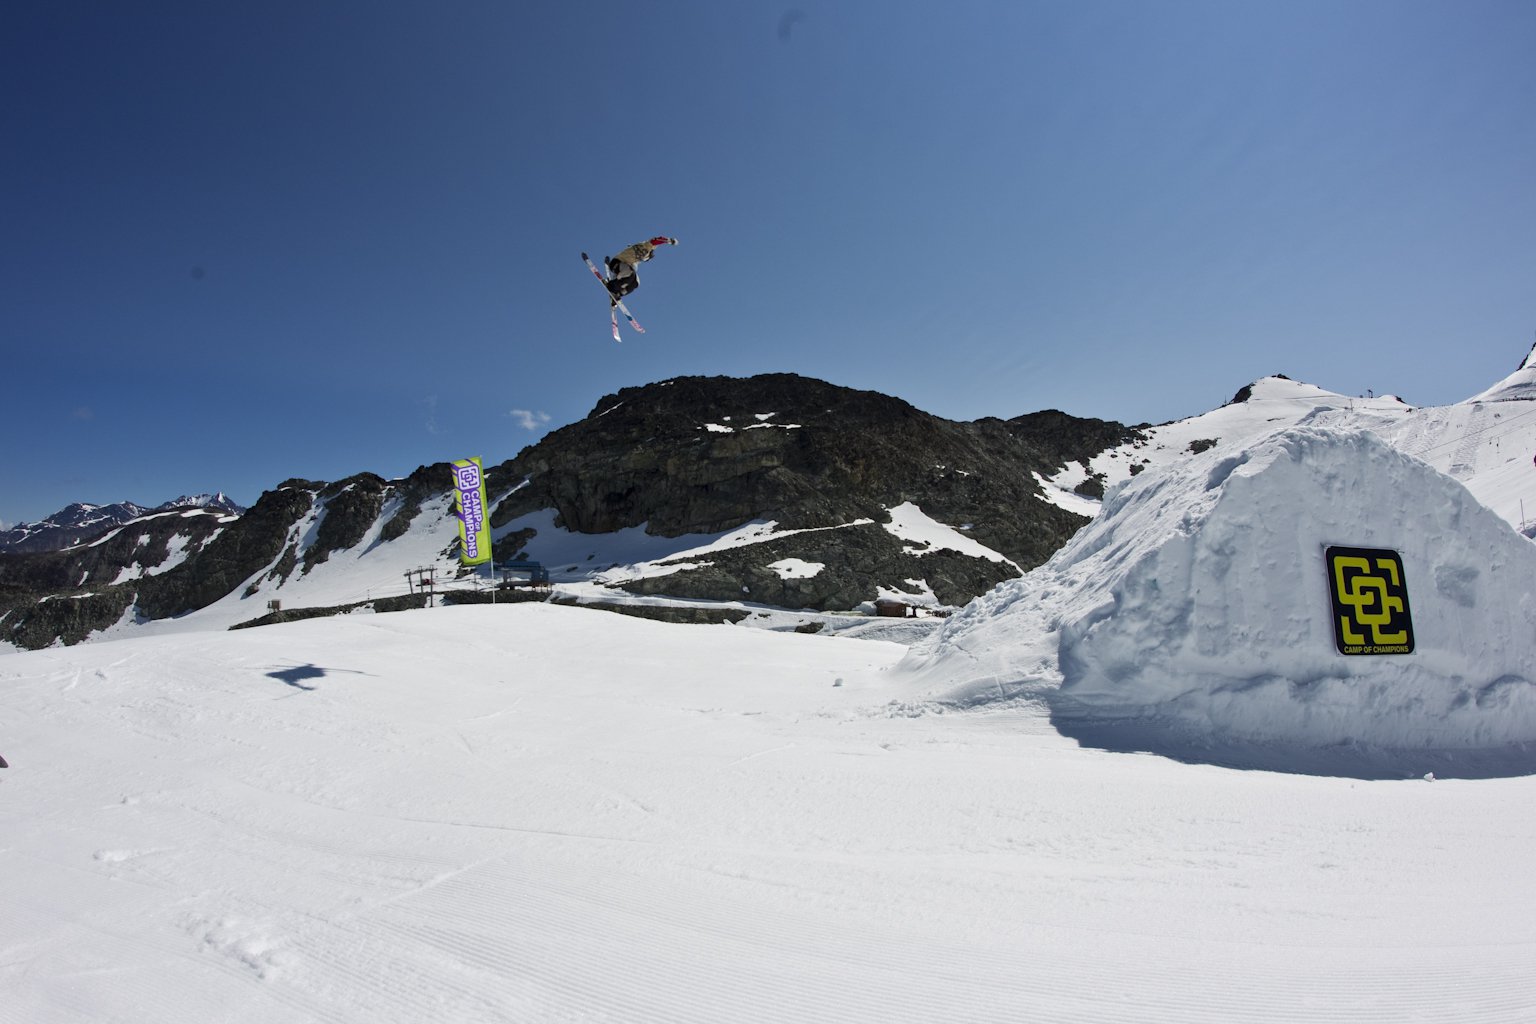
{"x":1066,"y":439}
{"x":351,"y":508}
{"x":66,"y":619}
{"x":701,"y":455}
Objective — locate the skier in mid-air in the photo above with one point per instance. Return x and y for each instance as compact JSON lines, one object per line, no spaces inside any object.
{"x":622,"y":278}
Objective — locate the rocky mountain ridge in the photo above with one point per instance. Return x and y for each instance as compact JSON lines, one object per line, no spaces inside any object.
{"x":775,"y":491}
{"x":680,"y":459}
{"x":699,"y":456}
{"x":81,"y":522}
{"x":181,"y":560}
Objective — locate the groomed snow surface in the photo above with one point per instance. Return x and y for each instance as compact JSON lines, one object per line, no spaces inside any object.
{"x":1138,"y":785}
{"x":537,"y":813}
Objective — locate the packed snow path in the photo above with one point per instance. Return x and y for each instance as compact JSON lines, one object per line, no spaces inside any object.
{"x":530,"y":813}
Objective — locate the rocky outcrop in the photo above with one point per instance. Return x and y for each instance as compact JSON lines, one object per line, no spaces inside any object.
{"x":68,"y":594}
{"x":1063,"y":438}
{"x":231,"y":558}
{"x":352,"y":507}
{"x":706,"y":454}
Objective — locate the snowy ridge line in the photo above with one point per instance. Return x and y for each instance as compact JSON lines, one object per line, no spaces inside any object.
{"x":1430,"y":434}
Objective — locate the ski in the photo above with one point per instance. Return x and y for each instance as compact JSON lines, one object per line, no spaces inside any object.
{"x":630,"y":317}
{"x":613,"y":317}
{"x":619,"y":306}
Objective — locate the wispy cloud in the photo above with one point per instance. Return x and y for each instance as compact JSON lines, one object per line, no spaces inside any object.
{"x":430,"y":402}
{"x":529,"y":420}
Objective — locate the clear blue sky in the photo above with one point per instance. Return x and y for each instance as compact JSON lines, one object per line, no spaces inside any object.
{"x":245,"y":242}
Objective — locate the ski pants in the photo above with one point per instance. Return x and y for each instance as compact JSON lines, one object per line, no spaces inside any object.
{"x":624,"y":279}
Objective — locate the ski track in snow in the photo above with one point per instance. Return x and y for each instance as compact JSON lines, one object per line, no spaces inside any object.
{"x":1464,"y":460}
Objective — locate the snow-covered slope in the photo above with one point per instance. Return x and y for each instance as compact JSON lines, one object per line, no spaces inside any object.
{"x":1488,"y":441}
{"x":1263,"y":406}
{"x":539,"y":814}
{"x":367,"y":571}
{"x":1518,"y":386}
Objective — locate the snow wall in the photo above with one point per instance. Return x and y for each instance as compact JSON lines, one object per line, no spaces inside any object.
{"x":1199,"y":603}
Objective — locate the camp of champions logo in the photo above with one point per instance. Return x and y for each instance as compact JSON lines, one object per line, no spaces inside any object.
{"x":468,"y":481}
{"x":1370,"y":601}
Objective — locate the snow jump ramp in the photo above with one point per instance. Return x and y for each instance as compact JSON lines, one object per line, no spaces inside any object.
{"x":1309,"y":602}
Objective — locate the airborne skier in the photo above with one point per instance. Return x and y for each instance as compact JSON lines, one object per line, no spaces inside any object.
{"x":622,"y":278}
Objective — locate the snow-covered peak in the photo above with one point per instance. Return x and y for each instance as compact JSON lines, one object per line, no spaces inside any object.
{"x":68,"y":526}
{"x":1518,"y":386}
{"x":1280,"y":388}
{"x":80,"y":521}
{"x":217,"y":500}
{"x":1267,"y":404}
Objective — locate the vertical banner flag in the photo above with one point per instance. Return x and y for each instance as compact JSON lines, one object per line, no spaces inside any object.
{"x":474,"y":526}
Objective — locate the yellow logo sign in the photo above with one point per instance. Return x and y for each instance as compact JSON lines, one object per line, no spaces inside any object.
{"x":1370,"y":601}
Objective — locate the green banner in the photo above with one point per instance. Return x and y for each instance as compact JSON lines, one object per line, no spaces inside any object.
{"x":469,"y":504}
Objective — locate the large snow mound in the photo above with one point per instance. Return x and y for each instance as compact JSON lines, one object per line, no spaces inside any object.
{"x":1199,"y":603}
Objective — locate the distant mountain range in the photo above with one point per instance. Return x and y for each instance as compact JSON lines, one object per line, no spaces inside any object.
{"x":78,"y":523}
{"x":703,"y":497}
